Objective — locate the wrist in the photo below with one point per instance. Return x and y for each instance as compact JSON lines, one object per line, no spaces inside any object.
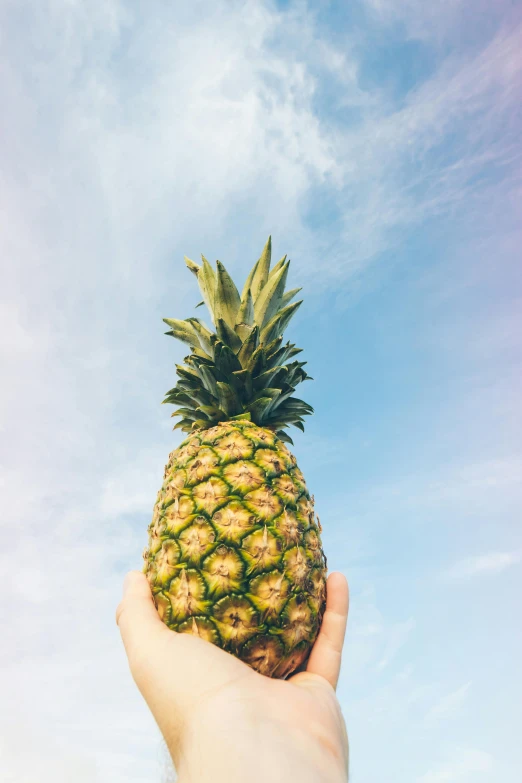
{"x":262,"y":749}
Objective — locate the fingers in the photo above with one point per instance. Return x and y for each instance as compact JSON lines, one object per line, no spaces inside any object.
{"x":136,"y":616}
{"x":157,"y":654}
{"x":325,"y":658}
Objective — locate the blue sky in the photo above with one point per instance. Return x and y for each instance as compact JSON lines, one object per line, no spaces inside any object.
{"x":379,"y":143}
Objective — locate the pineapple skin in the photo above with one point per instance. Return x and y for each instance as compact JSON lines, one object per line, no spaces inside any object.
{"x":234,"y":553}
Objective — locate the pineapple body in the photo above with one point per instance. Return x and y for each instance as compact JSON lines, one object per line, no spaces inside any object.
{"x":234,"y":553}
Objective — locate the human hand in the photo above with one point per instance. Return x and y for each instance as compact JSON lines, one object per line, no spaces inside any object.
{"x":221,"y":720}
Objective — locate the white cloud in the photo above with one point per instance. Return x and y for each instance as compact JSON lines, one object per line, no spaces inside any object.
{"x":396,"y":639}
{"x":449,"y":705}
{"x":464,"y":488}
{"x":463,"y":767}
{"x":490,"y":563}
{"x":221,"y":114}
{"x":374,"y":641}
{"x":435,"y":23}
{"x":132,"y":488}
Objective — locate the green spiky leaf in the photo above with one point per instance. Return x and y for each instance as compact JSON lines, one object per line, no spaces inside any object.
{"x":226,"y":360}
{"x":269,"y":299}
{"x":207,"y":285}
{"x":248,"y":282}
{"x":276,"y":326}
{"x":194,"y":268}
{"x":227,"y":300}
{"x":228,"y":400}
{"x":212,"y":412}
{"x":228,"y":335}
{"x":287,"y":298}
{"x":242,"y":416}
{"x":243,"y":382}
{"x":184,"y":424}
{"x":257,"y":362}
{"x":265,"y":379}
{"x":248,"y":347}
{"x":259,"y":407}
{"x":208,"y":380}
{"x":182,"y":330}
{"x":204,"y":334}
{"x":242,"y":370}
{"x":262,"y":270}
{"x":277,"y":267}
{"x":245,"y":316}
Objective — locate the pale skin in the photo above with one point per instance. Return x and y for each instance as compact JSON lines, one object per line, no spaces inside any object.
{"x":222,"y":721}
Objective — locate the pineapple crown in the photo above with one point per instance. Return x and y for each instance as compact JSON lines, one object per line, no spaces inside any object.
{"x":240,"y":371}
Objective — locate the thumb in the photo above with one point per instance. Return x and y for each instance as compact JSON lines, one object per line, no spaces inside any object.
{"x":137,"y":618}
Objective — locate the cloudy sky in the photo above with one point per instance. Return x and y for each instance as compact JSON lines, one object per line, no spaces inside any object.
{"x":378,"y":141}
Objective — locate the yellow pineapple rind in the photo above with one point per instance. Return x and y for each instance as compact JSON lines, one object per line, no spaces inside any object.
{"x":234,"y":551}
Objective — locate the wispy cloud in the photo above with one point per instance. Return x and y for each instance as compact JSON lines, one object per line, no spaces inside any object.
{"x":463,"y":767}
{"x":480,"y":565}
{"x":421,"y":160}
{"x":249,"y":126}
{"x":435,"y":24}
{"x":449,"y":705}
{"x":397,"y":638}
{"x":464,"y":486}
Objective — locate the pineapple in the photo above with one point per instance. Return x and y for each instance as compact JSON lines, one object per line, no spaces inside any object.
{"x":234,"y":553}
